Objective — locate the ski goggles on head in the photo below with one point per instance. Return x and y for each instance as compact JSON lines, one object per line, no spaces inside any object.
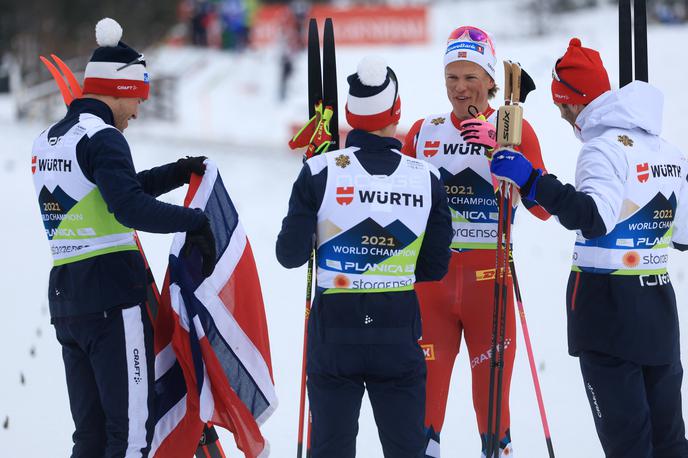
{"x":556,"y":77}
{"x":473,"y":34}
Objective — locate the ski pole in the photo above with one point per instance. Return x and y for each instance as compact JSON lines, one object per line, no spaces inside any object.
{"x":517,"y":85}
{"x":640,"y":39}
{"x":302,"y":399}
{"x":625,"y":43}
{"x":489,"y":439}
{"x":531,"y":360}
{"x":507,"y":196}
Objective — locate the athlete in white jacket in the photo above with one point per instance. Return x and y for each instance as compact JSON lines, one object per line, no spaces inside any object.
{"x":629,"y":205}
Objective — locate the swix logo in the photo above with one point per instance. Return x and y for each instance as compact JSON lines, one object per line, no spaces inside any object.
{"x":393,"y":198}
{"x":506,"y":121}
{"x":462,"y":149}
{"x":428,"y":351}
{"x":431,"y":148}
{"x":33,"y":164}
{"x":345,"y":195}
{"x":643,"y":172}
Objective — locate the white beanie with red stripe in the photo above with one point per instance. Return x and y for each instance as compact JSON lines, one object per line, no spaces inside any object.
{"x":373,"y":102}
{"x":115,"y":69}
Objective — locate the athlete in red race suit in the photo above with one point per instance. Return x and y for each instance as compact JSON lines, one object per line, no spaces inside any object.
{"x":462,"y":303}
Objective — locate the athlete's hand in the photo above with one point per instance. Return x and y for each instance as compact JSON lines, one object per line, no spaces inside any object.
{"x":203,"y":240}
{"x":479,"y":131}
{"x":189,"y":165}
{"x":512,"y":166}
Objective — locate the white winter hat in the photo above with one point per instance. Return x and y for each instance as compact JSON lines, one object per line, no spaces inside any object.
{"x":115,"y":69}
{"x":373,"y":101}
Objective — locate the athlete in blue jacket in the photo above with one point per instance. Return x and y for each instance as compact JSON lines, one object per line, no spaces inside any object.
{"x":91,"y":199}
{"x":380,"y":223}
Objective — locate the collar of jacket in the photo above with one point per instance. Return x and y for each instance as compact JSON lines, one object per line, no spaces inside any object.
{"x":92,"y":106}
{"x":366,"y":140}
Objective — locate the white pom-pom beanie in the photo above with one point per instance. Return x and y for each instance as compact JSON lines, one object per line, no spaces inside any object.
{"x":115,"y":69}
{"x":373,"y":102}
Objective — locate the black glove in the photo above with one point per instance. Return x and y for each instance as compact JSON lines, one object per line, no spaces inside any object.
{"x":189,"y":165}
{"x":203,"y":240}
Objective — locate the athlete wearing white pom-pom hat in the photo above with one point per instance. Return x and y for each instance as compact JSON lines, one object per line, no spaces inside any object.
{"x":380,"y":223}
{"x":91,"y":199}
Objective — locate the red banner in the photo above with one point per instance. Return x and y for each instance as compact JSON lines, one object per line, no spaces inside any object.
{"x":360,"y":25}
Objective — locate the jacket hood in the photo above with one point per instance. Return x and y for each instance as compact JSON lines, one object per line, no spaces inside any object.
{"x":636,"y":105}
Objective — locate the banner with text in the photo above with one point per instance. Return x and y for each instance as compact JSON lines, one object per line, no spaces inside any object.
{"x":354,"y":26}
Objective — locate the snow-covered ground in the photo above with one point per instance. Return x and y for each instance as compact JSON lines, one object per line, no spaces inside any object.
{"x":228,"y":111}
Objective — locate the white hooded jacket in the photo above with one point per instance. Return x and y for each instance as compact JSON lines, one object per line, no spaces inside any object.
{"x":623,"y":165}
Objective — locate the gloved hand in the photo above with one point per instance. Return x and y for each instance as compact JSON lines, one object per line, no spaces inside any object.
{"x":203,"y":240}
{"x":188,"y":165}
{"x":478,"y":131}
{"x":512,"y":166}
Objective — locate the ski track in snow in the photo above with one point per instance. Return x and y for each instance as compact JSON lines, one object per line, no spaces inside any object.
{"x":228,"y":101}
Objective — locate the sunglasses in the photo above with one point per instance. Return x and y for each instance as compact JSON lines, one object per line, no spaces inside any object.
{"x":473,"y":33}
{"x":556,"y":77}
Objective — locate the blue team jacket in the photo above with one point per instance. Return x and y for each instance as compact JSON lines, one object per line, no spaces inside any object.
{"x":116,"y":279}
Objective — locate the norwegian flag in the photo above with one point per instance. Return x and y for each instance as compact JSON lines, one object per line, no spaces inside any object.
{"x":212,"y":353}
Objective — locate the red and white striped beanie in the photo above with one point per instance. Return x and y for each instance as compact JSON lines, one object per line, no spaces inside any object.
{"x":373,"y":102}
{"x":115,"y":69}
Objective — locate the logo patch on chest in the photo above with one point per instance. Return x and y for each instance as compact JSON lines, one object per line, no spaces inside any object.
{"x":625,"y":140}
{"x":342,"y":161}
{"x":345,"y":195}
{"x":431,"y":148}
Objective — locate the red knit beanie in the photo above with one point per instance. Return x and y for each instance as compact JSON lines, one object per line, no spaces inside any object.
{"x":579,"y":77}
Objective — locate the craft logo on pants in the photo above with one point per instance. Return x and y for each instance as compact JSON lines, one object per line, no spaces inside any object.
{"x":137,"y":367}
{"x":428,"y":351}
{"x":593,"y":401}
{"x":345,"y":195}
{"x":643,"y":172}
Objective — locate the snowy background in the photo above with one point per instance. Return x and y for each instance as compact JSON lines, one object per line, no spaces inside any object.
{"x":228,"y":111}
